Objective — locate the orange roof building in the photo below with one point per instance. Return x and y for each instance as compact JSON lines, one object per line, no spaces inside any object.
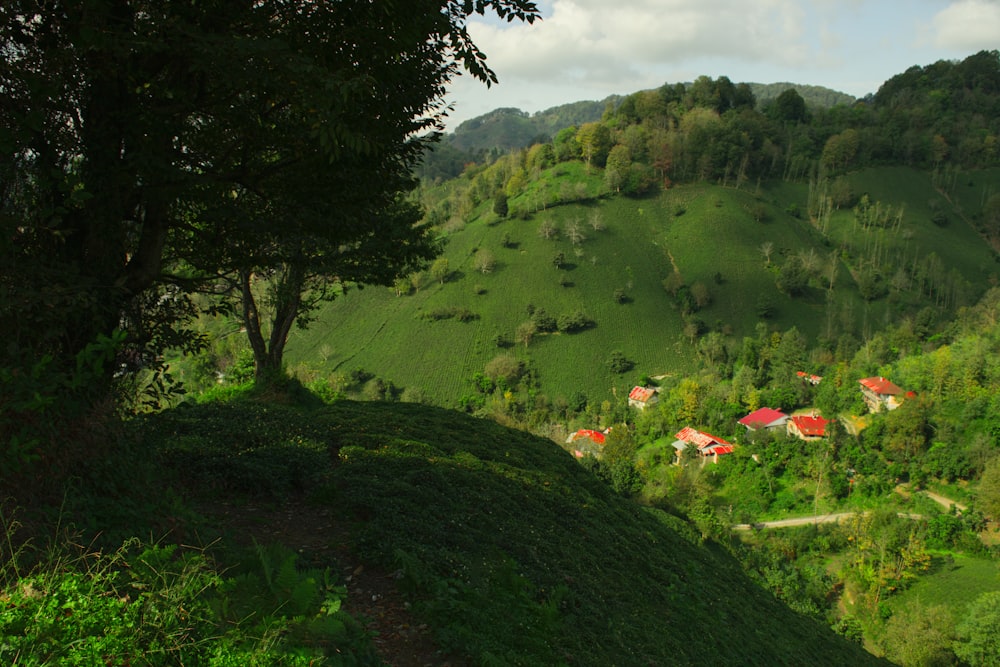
{"x":807,"y":427}
{"x":880,"y":394}
{"x":642,"y":397}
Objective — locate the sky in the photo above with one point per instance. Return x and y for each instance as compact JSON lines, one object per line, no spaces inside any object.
{"x":589,"y":49}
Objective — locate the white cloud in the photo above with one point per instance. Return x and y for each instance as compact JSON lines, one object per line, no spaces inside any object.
{"x":967,"y":25}
{"x":623,"y":39}
{"x":589,"y":49}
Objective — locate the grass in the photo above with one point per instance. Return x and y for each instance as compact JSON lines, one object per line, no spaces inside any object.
{"x":507,"y":548}
{"x":707,"y":232}
{"x":955,"y":581}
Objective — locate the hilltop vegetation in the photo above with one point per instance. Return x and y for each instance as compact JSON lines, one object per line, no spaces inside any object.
{"x":504,"y":129}
{"x":655,"y":281}
{"x":511,"y":551}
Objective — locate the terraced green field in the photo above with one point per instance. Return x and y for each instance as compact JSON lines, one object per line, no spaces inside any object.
{"x":707,"y":233}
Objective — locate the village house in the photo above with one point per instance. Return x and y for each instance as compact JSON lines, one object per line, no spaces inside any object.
{"x":809,"y":377}
{"x":880,"y":394}
{"x":764,"y":418}
{"x":642,"y":397}
{"x":808,"y":426}
{"x":587,"y":442}
{"x":707,"y":444}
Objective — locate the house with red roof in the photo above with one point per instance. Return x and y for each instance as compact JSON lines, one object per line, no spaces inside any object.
{"x":642,"y":397}
{"x":880,"y":394}
{"x":809,"y":377}
{"x":707,"y":444}
{"x":587,"y":442}
{"x":808,"y":426}
{"x":764,"y":418}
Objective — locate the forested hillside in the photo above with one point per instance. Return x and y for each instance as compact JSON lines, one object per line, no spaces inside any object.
{"x":507,"y":129}
{"x":182,"y":185}
{"x":671,"y":228}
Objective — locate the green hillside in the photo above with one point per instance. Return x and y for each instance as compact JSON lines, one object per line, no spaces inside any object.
{"x":507,"y":548}
{"x":712,"y":236}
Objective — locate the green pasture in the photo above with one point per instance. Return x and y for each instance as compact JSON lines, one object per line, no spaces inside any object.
{"x":708,"y":233}
{"x":507,"y":549}
{"x":955,"y":581}
{"x":956,"y":244}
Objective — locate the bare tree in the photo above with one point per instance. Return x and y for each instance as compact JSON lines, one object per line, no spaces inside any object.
{"x":810,"y":261}
{"x":525,"y":332}
{"x":701,"y":294}
{"x":596,"y":223}
{"x":900,"y":280}
{"x":548,"y":230}
{"x":766,"y":248}
{"x":574,"y":234}
{"x":485,"y":261}
{"x":832,"y":268}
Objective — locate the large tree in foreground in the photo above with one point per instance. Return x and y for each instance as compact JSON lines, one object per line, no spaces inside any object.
{"x":148,"y":149}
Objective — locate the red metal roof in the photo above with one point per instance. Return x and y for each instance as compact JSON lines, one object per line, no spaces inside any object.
{"x":641,"y":394}
{"x":881,"y":386}
{"x":762,"y":417}
{"x":698,"y":438}
{"x":810,"y":426}
{"x":814,"y":379}
{"x":596,"y":436}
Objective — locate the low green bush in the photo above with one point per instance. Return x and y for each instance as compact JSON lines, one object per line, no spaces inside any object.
{"x":146,"y":604}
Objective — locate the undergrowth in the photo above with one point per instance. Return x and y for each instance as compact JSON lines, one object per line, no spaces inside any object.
{"x":151,"y":604}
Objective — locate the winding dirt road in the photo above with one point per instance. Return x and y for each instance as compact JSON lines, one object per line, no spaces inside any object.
{"x":840,"y":516}
{"x":807,"y":520}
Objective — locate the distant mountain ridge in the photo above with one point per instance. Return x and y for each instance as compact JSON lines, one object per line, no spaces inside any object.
{"x":510,"y":128}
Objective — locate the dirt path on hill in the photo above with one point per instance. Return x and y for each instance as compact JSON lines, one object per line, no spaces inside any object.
{"x":836,"y":517}
{"x":797,"y":521}
{"x":673,"y":263}
{"x":904,"y":490}
{"x":944,"y":502}
{"x":322,"y":541}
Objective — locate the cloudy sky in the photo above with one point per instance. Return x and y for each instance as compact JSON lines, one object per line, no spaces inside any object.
{"x":589,"y":49}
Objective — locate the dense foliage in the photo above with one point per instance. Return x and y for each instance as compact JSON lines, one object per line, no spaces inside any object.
{"x":151,"y":150}
{"x":157,"y":605}
{"x":507,"y":548}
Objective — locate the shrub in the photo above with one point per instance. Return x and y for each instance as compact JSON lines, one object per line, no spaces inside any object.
{"x":578,"y":321}
{"x":619,"y":363}
{"x":450,"y":312}
{"x":156,"y":605}
{"x":505,"y":369}
{"x":765,"y":307}
{"x":543,"y":321}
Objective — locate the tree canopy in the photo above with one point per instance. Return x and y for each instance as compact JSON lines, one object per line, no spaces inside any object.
{"x":148,"y":150}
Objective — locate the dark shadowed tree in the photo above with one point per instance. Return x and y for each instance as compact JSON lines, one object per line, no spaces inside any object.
{"x":151,"y":149}
{"x":789,"y":107}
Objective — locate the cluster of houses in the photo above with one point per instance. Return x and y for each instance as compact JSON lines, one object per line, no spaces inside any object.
{"x":879,"y":394}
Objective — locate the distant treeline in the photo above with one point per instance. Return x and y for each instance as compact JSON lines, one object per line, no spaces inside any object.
{"x":947,"y":113}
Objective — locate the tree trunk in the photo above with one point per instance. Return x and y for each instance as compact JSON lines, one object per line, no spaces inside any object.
{"x":268,"y":354}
